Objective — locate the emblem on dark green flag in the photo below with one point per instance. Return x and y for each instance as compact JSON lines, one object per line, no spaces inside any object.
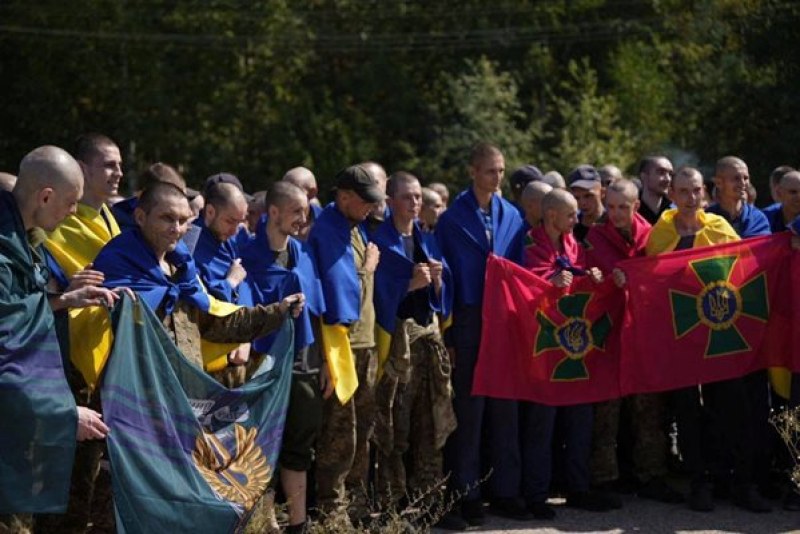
{"x":575,"y":336}
{"x":719,"y":304}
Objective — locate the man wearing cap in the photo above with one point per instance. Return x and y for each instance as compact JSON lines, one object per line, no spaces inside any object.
{"x":477,"y":224}
{"x":655,"y":172}
{"x":522,"y":177}
{"x":585,"y":184}
{"x":346,"y":263}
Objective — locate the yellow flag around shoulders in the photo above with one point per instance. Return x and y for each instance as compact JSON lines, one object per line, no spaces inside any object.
{"x":79,"y":238}
{"x":215,"y":355}
{"x":90,"y":339}
{"x":340,"y":360}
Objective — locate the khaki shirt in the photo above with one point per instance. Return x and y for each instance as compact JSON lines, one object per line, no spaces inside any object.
{"x":362,"y":332}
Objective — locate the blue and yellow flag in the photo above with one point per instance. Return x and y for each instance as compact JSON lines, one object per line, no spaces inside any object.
{"x":393,"y":276}
{"x":127,"y":261}
{"x":39,"y":420}
{"x":330,"y":244}
{"x":187,"y":454}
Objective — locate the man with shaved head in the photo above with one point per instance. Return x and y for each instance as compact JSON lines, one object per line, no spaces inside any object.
{"x":216,"y":254}
{"x":432,"y":207}
{"x":157,"y":172}
{"x":531,"y":202}
{"x":7,"y":181}
{"x":655,"y":173}
{"x":788,"y":208}
{"x":39,"y":426}
{"x":305,"y":180}
{"x":731,"y":178}
{"x":624,"y":235}
{"x":279,"y":264}
{"x":379,"y":212}
{"x":553,"y":253}
{"x":443,"y":191}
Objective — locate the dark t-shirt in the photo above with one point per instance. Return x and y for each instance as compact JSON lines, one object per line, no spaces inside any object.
{"x":416,"y":305}
{"x":308,"y":359}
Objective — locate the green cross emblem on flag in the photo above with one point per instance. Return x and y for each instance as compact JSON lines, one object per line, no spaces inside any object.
{"x":574,"y":335}
{"x":719,"y":304}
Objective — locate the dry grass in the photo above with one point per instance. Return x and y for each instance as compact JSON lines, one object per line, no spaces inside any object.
{"x":787,"y":424}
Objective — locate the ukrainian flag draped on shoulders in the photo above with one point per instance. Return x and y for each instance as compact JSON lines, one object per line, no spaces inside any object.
{"x":462,"y":237}
{"x":330,"y":244}
{"x":128,"y":261}
{"x":187,"y":454}
{"x":39,"y":421}
{"x":393,"y":276}
{"x":269,"y":282}
{"x":213,"y":259}
{"x":664,"y":236}
{"x":73,"y":245}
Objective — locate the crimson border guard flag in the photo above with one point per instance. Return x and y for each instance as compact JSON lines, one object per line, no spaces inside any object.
{"x":708,"y":314}
{"x":543,"y":344}
{"x":187,"y":454}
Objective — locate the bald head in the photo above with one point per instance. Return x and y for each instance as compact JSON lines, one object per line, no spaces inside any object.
{"x":535,"y":191}
{"x":624,"y":188}
{"x":48,"y":166}
{"x":531,"y":200}
{"x":302,"y":178}
{"x":7,"y":181}
{"x":728,"y":162}
{"x":557,"y":199}
{"x":442,"y":190}
{"x":554,"y":180}
{"x":48,"y":188}
{"x":222,"y":195}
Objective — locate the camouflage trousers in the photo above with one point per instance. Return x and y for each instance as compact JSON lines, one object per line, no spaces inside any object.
{"x":16,"y":524}
{"x":342,"y":471}
{"x":415,"y":414}
{"x":649,"y":438}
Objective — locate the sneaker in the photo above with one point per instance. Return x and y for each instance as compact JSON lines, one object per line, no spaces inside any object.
{"x":472,"y":512}
{"x":510,"y":508}
{"x":451,"y":521}
{"x":791,"y":502}
{"x":747,"y":497}
{"x":542,"y":511}
{"x":656,"y":489}
{"x":591,"y":501}
{"x":701,"y":498}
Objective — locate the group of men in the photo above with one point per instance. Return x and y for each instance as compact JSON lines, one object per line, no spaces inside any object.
{"x":385,"y":285}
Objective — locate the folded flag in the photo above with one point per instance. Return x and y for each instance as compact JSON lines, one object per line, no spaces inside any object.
{"x":188,"y":454}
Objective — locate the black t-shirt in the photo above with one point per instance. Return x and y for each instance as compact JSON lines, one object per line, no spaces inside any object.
{"x":416,"y":304}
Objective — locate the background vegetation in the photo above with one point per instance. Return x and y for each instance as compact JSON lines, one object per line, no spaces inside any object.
{"x":258,"y":86}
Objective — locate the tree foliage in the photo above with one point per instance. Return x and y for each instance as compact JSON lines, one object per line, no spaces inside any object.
{"x":255,"y":87}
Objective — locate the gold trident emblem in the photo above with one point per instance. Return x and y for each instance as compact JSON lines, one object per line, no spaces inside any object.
{"x":719,"y":302}
{"x":574,"y":334}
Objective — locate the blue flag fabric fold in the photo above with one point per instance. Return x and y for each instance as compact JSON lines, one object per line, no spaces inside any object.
{"x":187,"y":454}
{"x":268,"y":282}
{"x":395,"y":271}
{"x":213,"y":258}
{"x":39,"y":422}
{"x":461,"y":235}
{"x":330,"y":244}
{"x":127,"y":261}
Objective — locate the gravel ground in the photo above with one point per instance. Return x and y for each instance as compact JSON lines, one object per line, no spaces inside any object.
{"x":638,"y":515}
